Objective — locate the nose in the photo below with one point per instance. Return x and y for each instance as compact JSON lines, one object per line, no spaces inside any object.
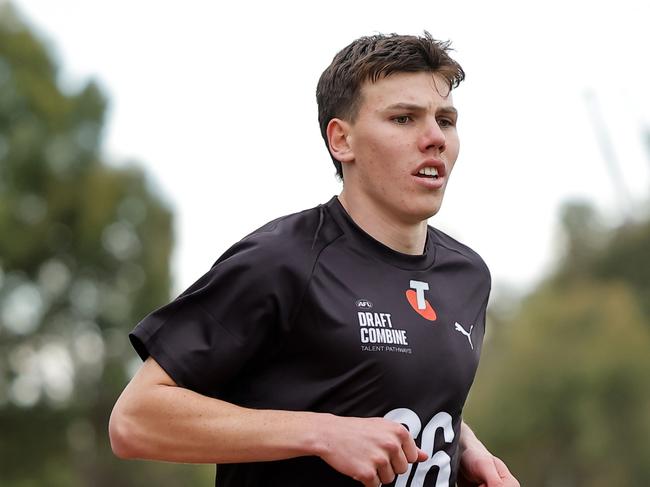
{"x":432,"y":137}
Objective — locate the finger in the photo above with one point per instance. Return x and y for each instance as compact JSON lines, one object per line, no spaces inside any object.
{"x":487,"y":471}
{"x":370,"y":480}
{"x":412,"y":452}
{"x":422,"y":455}
{"x":399,"y":462}
{"x":505,"y":474}
{"x":502,"y":468}
{"x":386,"y":473}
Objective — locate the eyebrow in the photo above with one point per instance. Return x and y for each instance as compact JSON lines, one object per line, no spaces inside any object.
{"x":419,"y":108}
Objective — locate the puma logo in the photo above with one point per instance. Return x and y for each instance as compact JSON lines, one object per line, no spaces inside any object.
{"x":468,"y":334}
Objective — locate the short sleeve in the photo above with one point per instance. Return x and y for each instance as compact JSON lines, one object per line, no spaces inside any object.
{"x":206,"y":336}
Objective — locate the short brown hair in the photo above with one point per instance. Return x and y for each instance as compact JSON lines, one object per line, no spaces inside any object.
{"x":371,"y":58}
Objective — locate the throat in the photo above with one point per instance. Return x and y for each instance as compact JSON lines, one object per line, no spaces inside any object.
{"x":400,"y":237}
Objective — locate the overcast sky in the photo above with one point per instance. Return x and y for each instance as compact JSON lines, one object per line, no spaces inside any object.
{"x":217,"y":101}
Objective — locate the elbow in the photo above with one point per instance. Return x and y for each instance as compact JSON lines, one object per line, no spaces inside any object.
{"x":121,"y":436}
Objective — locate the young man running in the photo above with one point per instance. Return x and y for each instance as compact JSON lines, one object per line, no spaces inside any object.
{"x":335,"y":346}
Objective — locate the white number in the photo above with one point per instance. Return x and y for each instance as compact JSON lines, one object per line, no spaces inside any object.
{"x":412,"y":422}
{"x":440,"y":459}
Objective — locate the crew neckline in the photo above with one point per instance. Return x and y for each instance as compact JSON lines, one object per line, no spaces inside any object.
{"x":369,"y":244}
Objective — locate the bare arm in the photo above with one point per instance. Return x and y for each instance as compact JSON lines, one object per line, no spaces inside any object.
{"x":156,"y":419}
{"x":478,"y":467}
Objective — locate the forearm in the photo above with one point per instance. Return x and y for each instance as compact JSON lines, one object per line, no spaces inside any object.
{"x":155,"y":419}
{"x":468,"y":439}
{"x":170,"y":423}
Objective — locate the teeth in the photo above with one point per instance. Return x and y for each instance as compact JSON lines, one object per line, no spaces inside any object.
{"x":428,"y":171}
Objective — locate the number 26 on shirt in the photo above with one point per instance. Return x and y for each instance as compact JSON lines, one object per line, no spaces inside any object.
{"x":440,"y":459}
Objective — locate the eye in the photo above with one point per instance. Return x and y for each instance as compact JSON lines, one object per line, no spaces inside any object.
{"x":402,"y":119}
{"x":446,"y":122}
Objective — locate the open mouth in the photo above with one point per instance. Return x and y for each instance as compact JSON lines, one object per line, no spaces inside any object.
{"x":428,"y":172}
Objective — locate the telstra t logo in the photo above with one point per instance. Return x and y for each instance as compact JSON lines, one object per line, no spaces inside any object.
{"x":415,"y":297}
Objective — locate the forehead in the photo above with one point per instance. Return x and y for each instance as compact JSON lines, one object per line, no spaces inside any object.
{"x":426,"y":89}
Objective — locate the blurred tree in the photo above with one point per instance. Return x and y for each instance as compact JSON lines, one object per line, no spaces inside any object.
{"x":563,"y":393}
{"x":584,"y":236}
{"x":627,"y":258}
{"x":84,"y":254}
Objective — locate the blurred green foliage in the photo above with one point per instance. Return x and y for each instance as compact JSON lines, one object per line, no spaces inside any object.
{"x":84,"y":255}
{"x":563,"y":393}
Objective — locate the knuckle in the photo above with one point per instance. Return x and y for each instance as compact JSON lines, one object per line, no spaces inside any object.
{"x":381,"y":462}
{"x":402,"y":432}
{"x":391,"y":447}
{"x":366,"y":476}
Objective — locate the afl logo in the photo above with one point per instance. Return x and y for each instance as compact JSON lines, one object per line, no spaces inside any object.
{"x":364,"y":304}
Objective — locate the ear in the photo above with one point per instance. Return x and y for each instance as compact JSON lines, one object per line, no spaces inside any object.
{"x":338,"y":134}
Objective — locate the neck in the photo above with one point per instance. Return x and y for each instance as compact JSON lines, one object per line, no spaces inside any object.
{"x":380,"y":224}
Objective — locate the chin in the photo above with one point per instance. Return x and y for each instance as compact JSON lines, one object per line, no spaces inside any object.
{"x":423,"y":213}
{"x":428,"y":209}
{"x":431,"y":213}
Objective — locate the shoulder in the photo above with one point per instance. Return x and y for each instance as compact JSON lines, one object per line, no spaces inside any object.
{"x":462,"y":251}
{"x":288,"y":239}
{"x":263,"y":275}
{"x":288,"y":244}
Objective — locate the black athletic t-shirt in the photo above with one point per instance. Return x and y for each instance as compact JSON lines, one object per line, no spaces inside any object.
{"x":310,"y":313}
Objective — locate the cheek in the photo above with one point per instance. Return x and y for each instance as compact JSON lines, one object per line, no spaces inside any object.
{"x":453,"y":148}
{"x":386,"y":153}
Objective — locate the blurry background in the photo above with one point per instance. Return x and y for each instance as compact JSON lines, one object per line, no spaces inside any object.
{"x":138,"y":140}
